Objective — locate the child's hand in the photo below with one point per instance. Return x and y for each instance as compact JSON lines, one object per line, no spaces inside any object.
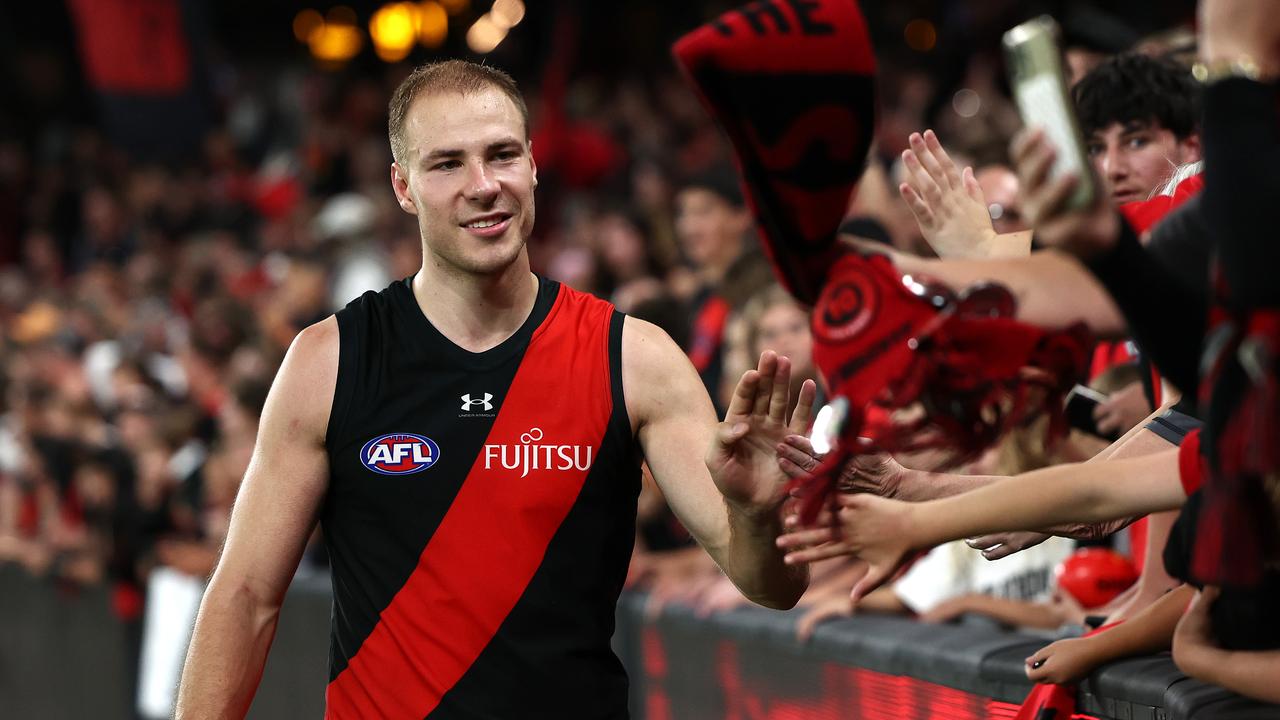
{"x":1065,"y":661}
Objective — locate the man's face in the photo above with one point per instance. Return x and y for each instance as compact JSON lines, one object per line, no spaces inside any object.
{"x":708,"y":227}
{"x":1134,"y":160}
{"x":469,"y":177}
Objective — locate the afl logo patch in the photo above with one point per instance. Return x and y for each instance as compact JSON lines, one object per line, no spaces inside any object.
{"x":399,"y":454}
{"x":845,"y":309}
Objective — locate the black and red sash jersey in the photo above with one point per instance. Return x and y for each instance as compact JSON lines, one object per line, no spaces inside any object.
{"x":480,"y":514}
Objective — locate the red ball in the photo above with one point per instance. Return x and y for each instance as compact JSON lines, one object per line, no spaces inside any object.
{"x":1094,"y":576}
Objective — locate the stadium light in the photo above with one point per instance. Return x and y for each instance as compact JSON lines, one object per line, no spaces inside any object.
{"x":336,"y":39}
{"x":485,"y":34}
{"x":433,"y":23}
{"x":507,"y":13}
{"x":455,"y":6}
{"x":394,"y":30}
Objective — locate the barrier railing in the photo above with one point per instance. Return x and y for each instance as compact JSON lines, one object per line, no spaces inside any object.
{"x":62,"y":655}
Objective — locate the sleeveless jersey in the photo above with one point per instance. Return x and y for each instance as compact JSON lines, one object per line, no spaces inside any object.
{"x":480,"y":514}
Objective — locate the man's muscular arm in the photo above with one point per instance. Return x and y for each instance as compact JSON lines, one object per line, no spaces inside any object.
{"x":273,"y":516}
{"x":675,"y":423}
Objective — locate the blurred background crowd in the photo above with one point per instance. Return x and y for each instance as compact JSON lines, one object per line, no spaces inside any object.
{"x":185,"y":185}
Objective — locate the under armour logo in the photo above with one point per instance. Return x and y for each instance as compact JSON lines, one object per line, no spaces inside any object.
{"x":468,"y":403}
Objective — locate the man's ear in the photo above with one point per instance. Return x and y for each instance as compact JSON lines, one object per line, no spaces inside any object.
{"x":400,"y":184}
{"x":1190,"y":147}
{"x":533,"y":166}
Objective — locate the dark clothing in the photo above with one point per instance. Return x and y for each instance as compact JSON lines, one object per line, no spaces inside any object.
{"x":480,"y":514}
{"x":1243,"y":618}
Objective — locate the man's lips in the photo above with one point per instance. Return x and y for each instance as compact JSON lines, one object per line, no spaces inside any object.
{"x":500,"y":223}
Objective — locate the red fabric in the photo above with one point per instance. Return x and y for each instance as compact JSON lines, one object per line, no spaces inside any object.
{"x":1190,"y":463}
{"x":1138,"y":543}
{"x":708,"y":332}
{"x":1145,"y":214}
{"x":793,"y":86}
{"x":881,"y":339}
{"x":133,"y":46}
{"x":1236,"y":524}
{"x":1108,"y":354}
{"x":489,"y":545}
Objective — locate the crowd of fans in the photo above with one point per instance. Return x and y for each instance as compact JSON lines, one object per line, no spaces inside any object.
{"x":149,"y":304}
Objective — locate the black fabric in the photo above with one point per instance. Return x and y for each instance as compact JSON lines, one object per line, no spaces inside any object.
{"x":1150,"y":294}
{"x":1243,"y":618}
{"x":553,"y":652}
{"x":1241,"y":142}
{"x":1173,"y":425}
{"x":397,"y":372}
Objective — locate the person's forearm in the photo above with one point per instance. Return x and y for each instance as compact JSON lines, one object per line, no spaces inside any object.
{"x":921,"y":485}
{"x":754,"y":562}
{"x":1255,"y":674}
{"x":882,"y":600}
{"x":1148,"y":631}
{"x":1019,"y":613}
{"x":228,"y":651}
{"x":1059,"y":495}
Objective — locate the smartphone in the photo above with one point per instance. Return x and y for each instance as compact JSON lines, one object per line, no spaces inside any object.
{"x":1039,"y":84}
{"x":1081,"y":402}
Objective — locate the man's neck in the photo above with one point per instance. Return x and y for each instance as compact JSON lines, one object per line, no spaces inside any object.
{"x":476,"y":312}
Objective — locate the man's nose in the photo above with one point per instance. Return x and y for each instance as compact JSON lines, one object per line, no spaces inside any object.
{"x":1114,"y":165}
{"x":482,"y":185}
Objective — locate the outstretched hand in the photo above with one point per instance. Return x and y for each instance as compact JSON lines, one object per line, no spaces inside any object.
{"x":874,"y":471}
{"x":1085,"y":232}
{"x":743,"y":456}
{"x":947,"y":203}
{"x":874,"y":529}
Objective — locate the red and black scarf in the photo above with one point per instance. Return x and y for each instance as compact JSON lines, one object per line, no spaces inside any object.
{"x":792,"y":84}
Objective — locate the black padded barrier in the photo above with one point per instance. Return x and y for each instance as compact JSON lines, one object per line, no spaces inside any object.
{"x":63,"y":655}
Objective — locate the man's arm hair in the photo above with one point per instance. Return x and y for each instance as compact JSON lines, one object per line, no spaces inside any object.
{"x":274,"y":514}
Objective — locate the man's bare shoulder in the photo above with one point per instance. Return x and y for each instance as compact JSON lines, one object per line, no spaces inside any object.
{"x":648,"y":349}
{"x":657,"y":375}
{"x":302,"y":394}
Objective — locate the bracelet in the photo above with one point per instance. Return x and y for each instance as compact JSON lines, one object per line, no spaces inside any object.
{"x":1215,"y":70}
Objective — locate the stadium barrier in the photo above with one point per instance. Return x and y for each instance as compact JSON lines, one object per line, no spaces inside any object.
{"x":63,"y":655}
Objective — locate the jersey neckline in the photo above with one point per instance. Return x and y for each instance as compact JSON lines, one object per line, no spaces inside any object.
{"x":432,"y":338}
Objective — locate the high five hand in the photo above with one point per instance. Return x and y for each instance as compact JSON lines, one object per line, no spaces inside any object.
{"x":742,"y":458}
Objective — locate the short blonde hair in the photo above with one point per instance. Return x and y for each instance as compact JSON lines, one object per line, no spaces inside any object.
{"x":458,"y":76}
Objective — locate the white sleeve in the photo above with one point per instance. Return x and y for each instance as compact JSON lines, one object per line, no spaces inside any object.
{"x":942,"y":574}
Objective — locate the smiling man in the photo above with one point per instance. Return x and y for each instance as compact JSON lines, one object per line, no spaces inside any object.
{"x":469,"y":440}
{"x":1140,"y":119}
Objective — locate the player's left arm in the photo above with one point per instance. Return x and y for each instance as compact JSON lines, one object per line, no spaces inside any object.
{"x":731,"y":508}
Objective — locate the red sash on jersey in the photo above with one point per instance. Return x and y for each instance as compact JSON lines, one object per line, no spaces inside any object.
{"x":493,"y":538}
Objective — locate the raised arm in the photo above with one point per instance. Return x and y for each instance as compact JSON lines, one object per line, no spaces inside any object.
{"x":735,"y":515}
{"x":883,"y":532}
{"x":274,"y":514}
{"x":950,"y":207}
